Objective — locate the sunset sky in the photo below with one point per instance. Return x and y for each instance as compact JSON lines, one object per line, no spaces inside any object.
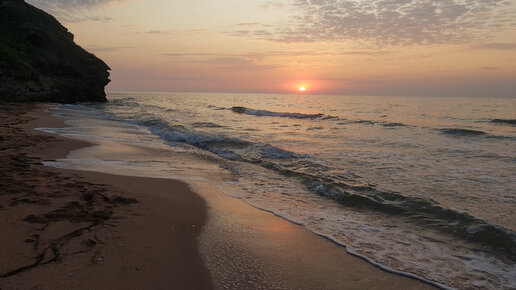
{"x":378,"y":47}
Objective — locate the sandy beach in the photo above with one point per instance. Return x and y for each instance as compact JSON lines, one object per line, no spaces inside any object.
{"x":68,"y":229}
{"x":83,"y":230}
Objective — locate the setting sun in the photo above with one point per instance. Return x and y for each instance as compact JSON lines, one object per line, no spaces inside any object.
{"x":302,"y":88}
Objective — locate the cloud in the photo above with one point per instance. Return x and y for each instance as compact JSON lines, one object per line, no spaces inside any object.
{"x":490,"y":68}
{"x":391,"y":22}
{"x":106,"y":48}
{"x":72,"y":10}
{"x":261,"y":33}
{"x":162,"y":32}
{"x":155,"y":32}
{"x":263,"y":60}
{"x":267,"y":55}
{"x":68,"y":4}
{"x":239,"y":63}
{"x":248,"y":24}
{"x":273,"y":5}
{"x":98,"y":18}
{"x":173,"y":54}
{"x":494,"y":46}
{"x":197,"y":31}
{"x":251,"y":61}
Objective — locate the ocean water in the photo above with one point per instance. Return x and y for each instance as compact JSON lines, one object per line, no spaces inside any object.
{"x":425,"y":187}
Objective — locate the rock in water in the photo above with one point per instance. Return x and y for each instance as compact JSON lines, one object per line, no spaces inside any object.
{"x":39,"y":60}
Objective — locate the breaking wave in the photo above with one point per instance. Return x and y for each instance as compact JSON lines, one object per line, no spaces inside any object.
{"x":265,"y":113}
{"x":504,"y":121}
{"x":342,"y":121}
{"x":347,"y":190}
{"x":459,"y":132}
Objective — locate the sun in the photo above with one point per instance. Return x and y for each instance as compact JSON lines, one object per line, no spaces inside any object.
{"x":301,"y":87}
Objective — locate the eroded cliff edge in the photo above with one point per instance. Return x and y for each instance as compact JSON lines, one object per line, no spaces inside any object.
{"x":39,"y":61}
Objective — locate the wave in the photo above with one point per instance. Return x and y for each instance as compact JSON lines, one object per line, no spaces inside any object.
{"x":459,"y":132}
{"x":262,"y":113}
{"x":124,"y":102}
{"x":366,"y":122}
{"x":424,"y":213}
{"x":504,"y":121}
{"x":389,"y":124}
{"x":223,"y":146}
{"x":265,"y":113}
{"x":371,"y":122}
{"x":347,"y":189}
{"x":206,"y":125}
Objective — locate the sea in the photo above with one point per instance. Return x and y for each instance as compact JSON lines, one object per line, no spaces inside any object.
{"x":420,"y":186}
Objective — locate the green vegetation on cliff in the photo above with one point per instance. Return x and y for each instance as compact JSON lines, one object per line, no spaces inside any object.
{"x":39,"y":60}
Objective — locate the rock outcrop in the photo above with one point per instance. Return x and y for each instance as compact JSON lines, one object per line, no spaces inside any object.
{"x":39,"y":60}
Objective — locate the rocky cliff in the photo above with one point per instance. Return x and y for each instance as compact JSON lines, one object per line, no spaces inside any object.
{"x":39,"y":60}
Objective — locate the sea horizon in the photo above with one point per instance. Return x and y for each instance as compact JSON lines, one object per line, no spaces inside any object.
{"x":108,"y":92}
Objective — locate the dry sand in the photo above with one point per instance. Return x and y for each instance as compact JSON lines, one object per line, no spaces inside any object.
{"x":66,"y":229}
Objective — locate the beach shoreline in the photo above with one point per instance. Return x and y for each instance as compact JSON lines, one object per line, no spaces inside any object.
{"x":134,"y":243}
{"x":155,"y":233}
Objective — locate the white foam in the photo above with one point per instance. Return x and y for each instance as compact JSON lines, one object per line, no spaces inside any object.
{"x":280,"y":114}
{"x":379,"y":239}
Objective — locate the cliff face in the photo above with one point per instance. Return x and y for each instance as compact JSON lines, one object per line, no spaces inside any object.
{"x":39,"y":60}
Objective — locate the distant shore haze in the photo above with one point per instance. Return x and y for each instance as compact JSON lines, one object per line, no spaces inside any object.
{"x":39,"y":60}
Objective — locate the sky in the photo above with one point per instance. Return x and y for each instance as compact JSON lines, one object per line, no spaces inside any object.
{"x":464,"y":48}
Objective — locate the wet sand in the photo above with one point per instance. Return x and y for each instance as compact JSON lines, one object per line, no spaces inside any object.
{"x":100,"y":231}
{"x":64,"y":229}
